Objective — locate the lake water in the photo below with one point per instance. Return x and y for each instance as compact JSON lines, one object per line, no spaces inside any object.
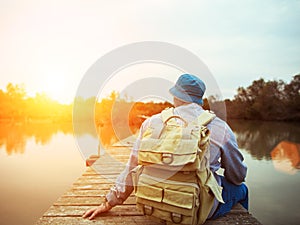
{"x":39,"y":162}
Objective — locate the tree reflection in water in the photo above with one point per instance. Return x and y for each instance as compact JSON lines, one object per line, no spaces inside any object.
{"x":259,"y":138}
{"x":14,"y":136}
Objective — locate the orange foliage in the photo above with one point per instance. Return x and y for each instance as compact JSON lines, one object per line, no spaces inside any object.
{"x":22,"y":116}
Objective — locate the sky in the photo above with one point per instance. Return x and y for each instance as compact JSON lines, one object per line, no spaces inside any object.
{"x":49,"y":45}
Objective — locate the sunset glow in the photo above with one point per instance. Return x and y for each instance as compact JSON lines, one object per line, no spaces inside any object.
{"x":64,"y":38}
{"x":55,"y":87}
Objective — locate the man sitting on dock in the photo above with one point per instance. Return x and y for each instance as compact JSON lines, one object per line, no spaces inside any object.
{"x":224,"y":153}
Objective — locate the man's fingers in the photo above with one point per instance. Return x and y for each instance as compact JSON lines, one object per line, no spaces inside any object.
{"x":89,"y":212}
{"x":95,"y":213}
{"x":92,"y":213}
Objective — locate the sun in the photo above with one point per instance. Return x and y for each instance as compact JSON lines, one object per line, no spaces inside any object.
{"x":55,"y":87}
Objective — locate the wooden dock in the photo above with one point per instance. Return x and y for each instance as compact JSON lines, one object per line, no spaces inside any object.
{"x":89,"y":189}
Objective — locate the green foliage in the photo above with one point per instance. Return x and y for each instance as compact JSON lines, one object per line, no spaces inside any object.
{"x":266,"y":100}
{"x":292,"y":100}
{"x":262,"y":100}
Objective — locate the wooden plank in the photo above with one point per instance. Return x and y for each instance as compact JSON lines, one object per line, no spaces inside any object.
{"x":94,"y":180}
{"x":116,"y":173}
{"x":230,"y":219}
{"x":86,"y":201}
{"x":57,"y":215}
{"x":87,"y":192}
{"x":91,"y":186}
{"x":117,"y":160}
{"x":109,"y":161}
{"x":71,"y":211}
{"x":103,"y":173}
{"x":116,"y":220}
{"x":234,"y":218}
{"x":238,"y":208}
{"x":108,"y":169}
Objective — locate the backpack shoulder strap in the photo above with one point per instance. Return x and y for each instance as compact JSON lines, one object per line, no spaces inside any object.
{"x":205,"y":118}
{"x":157,"y":129}
{"x":166,"y":114}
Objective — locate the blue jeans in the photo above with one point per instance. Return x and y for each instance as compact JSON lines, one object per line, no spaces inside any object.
{"x":232,"y":194}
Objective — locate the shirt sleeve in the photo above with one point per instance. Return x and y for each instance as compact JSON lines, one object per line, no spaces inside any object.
{"x":124,"y":185}
{"x":232,"y":160}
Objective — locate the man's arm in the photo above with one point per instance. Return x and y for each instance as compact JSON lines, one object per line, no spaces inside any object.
{"x":119,"y":193}
{"x":124,"y":186}
{"x":232,"y":159}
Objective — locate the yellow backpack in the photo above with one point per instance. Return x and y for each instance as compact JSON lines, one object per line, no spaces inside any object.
{"x":173,"y":181}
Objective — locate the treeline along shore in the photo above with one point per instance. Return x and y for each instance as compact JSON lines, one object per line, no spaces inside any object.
{"x":262,"y":100}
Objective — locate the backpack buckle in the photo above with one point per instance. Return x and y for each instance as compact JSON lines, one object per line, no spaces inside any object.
{"x":148,"y":210}
{"x":167,"y":158}
{"x":176,"y":218}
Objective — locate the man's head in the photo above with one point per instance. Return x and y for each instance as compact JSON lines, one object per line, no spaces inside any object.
{"x":189,"y":88}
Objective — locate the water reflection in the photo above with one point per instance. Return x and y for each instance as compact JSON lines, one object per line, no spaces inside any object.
{"x":13,"y":137}
{"x":257,"y":137}
{"x":110,"y":135}
{"x":286,"y":157}
{"x":260,"y":138}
